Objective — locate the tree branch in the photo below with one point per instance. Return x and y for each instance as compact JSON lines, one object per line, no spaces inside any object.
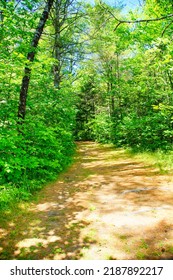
{"x":134,"y":21}
{"x":141,"y":20}
{"x":166,"y":28}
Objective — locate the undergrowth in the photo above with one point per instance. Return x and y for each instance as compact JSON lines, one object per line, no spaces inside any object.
{"x":159,"y":159}
{"x":31,"y":159}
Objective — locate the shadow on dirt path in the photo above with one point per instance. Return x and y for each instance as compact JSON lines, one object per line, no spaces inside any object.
{"x":106,"y":206}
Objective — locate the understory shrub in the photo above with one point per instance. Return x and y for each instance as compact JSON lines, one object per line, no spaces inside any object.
{"x":101,"y":127}
{"x":150,"y":132}
{"x":31,"y":158}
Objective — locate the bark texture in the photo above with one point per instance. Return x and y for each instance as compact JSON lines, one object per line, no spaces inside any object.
{"x":30,"y":58}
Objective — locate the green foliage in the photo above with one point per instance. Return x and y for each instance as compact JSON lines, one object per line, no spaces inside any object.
{"x":101,"y":128}
{"x":30,"y":159}
{"x":37,"y":151}
{"x":85,"y":106}
{"x":134,"y":106}
{"x":111,"y":86}
{"x":148,"y":132}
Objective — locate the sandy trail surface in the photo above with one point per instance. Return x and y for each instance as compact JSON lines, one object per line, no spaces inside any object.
{"x":108,"y":205}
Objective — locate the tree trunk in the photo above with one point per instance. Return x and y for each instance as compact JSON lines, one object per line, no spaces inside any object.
{"x":4,"y":6}
{"x":57,"y":45}
{"x":30,"y":57}
{"x":170,"y":80}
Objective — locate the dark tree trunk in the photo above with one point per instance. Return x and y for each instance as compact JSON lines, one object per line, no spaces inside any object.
{"x":170,"y":80}
{"x":30,"y":57}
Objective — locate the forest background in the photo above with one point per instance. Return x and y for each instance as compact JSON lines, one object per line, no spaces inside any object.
{"x":76,"y":70}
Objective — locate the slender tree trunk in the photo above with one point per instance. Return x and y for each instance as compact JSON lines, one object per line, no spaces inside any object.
{"x":171,"y":86}
{"x":30,"y":57}
{"x":170,"y":80}
{"x":63,"y":9}
{"x":57,"y":45}
{"x":4,"y":6}
{"x":1,"y":17}
{"x":118,"y":74}
{"x":112,"y":92}
{"x":118,"y":85}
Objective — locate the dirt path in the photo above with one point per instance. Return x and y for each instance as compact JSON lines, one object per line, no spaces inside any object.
{"x":106,"y":206}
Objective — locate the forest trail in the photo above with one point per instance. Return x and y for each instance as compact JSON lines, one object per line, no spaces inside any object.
{"x":108,"y":205}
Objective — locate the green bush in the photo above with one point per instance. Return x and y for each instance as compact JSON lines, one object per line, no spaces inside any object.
{"x":101,"y":128}
{"x":150,"y":132}
{"x":31,"y":158}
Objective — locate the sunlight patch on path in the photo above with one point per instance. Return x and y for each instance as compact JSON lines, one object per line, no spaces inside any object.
{"x":106,"y":206}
